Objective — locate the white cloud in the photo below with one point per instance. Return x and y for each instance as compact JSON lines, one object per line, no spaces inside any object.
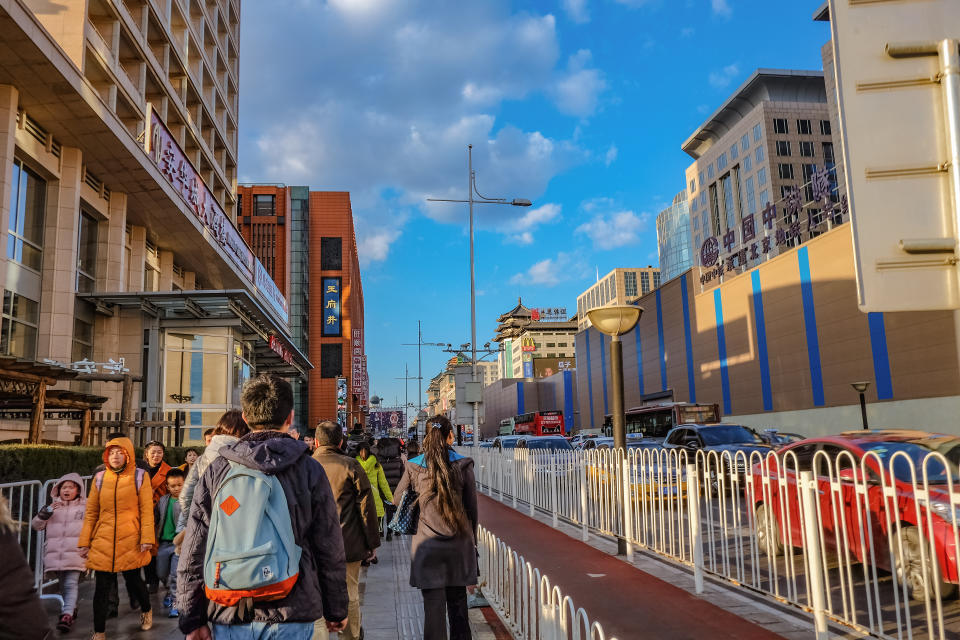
{"x":551,"y":271}
{"x":721,"y":8}
{"x":611,"y":155}
{"x":722,"y":78}
{"x":375,"y":246}
{"x":577,"y":11}
{"x":577,"y":91}
{"x":520,"y":231}
{"x":615,"y":228}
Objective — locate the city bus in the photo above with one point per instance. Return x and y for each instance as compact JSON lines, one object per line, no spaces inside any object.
{"x":506,"y":427}
{"x":655,"y":420}
{"x":539,"y":423}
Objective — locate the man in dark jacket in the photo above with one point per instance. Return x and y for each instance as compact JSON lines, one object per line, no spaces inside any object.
{"x":358,"y":514}
{"x":321,"y":588}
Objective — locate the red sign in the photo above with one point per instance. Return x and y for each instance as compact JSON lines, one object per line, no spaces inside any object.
{"x":277,"y":347}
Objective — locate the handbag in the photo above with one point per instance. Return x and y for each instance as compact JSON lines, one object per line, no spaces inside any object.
{"x":407,"y":517}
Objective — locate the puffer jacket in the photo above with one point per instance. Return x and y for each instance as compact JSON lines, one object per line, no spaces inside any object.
{"x":119,"y":517}
{"x":62,"y":522}
{"x":158,"y":480}
{"x":381,"y":489}
{"x":388,"y":453}
{"x":210,"y":454}
{"x":321,"y":587}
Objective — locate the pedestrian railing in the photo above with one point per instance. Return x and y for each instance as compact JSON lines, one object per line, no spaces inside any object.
{"x":869,"y":542}
{"x":526,"y":600}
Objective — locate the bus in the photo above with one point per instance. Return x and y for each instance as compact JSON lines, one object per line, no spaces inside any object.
{"x":539,"y":423}
{"x":506,"y":427}
{"x":655,"y":420}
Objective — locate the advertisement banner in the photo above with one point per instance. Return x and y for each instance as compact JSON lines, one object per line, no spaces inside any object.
{"x":331,"y":306}
{"x":543,"y":367}
{"x":527,"y":369}
{"x":342,"y":403}
{"x":385,"y":421}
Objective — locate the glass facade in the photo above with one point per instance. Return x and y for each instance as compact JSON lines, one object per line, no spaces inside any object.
{"x":674,"y":239}
{"x":25,"y":231}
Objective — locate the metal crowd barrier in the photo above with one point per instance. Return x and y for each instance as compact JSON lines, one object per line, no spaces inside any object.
{"x":871,"y":544}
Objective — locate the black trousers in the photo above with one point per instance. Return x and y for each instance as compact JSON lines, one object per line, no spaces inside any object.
{"x":107,"y":582}
{"x":441,"y":605}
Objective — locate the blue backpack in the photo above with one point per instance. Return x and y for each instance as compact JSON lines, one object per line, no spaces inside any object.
{"x":251,"y":552}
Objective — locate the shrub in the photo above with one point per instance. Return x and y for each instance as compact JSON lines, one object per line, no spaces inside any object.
{"x":43,"y":462}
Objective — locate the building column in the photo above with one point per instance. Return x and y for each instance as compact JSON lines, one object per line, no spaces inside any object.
{"x":138,"y":254}
{"x":166,"y":270}
{"x":114,"y":336}
{"x":9,"y":98}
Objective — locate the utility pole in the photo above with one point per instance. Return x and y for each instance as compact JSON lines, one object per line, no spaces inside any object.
{"x":419,"y":344}
{"x":406,"y":398}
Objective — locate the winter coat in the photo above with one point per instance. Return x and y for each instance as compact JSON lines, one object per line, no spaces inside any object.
{"x":158,"y":480}
{"x":62,"y":525}
{"x":378,"y":482}
{"x":22,"y":616}
{"x":160,"y":513}
{"x":355,"y":502}
{"x":439,"y":556}
{"x":388,"y":453}
{"x":209,"y":454}
{"x":321,"y":588}
{"x":119,"y":518}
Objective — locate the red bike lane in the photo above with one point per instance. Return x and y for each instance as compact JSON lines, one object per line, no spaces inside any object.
{"x":629,"y":603}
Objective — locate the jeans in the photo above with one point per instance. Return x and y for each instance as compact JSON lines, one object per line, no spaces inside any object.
{"x":264,"y":631}
{"x":167,"y":560}
{"x":101,"y":594}
{"x":440,"y":605}
{"x":68,"y":589}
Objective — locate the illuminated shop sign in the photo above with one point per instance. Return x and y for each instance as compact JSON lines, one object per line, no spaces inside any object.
{"x":528,"y":345}
{"x":358,"y":362}
{"x":331,"y":306}
{"x":278,"y":348}
{"x":549,"y":314}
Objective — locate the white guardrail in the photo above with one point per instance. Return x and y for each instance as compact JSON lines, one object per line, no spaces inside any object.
{"x":870,"y":543}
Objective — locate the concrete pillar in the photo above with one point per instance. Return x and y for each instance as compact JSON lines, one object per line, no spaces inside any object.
{"x":9,"y":97}
{"x":138,"y":253}
{"x":189,"y":280}
{"x":109,"y":340}
{"x":166,"y":270}
{"x":111,"y":252}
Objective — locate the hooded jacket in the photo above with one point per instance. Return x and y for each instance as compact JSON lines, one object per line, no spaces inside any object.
{"x":355,"y":503}
{"x":119,"y":518}
{"x":388,"y":453}
{"x":378,"y":482}
{"x":321,"y":588}
{"x":158,"y":480}
{"x":210,"y":453}
{"x":62,"y":526}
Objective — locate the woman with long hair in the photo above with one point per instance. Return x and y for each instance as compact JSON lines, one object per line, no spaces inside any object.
{"x":444,"y":549}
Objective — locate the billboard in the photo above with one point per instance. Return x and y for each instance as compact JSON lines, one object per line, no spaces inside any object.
{"x":331,"y":306}
{"x":342,"y":403}
{"x":543,"y":367}
{"x":549,"y":314}
{"x":384,"y":421}
{"x":527,"y":344}
{"x":527,"y":370}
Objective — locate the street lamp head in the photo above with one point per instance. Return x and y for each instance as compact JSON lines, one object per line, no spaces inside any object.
{"x":860,"y":387}
{"x":521,"y":202}
{"x":615,"y":320}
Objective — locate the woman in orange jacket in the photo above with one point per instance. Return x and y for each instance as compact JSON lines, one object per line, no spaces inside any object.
{"x":118,"y":531}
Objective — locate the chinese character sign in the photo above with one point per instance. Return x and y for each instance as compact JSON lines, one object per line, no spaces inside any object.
{"x":331,"y":306}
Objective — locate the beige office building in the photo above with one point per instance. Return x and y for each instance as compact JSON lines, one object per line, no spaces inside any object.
{"x":623,"y":285}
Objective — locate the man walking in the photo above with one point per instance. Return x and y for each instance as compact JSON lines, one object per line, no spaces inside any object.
{"x":317,"y":587}
{"x":358,"y":514}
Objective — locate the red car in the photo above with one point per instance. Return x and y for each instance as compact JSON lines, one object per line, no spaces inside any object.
{"x":840,"y":505}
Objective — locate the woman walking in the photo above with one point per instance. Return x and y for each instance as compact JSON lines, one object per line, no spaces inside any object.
{"x":443,"y":552}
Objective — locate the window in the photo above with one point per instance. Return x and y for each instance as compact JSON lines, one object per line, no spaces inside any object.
{"x":656,"y":279}
{"x":747,"y":163}
{"x":783,"y":148}
{"x":758,"y":155}
{"x":806,"y":149}
{"x":151,"y":278}
{"x":786,"y":171}
{"x":762,"y":176}
{"x":331,"y":359}
{"x":804,"y":127}
{"x":710,"y":171}
{"x":751,"y":199}
{"x":693,"y":186}
{"x":734,"y":152}
{"x":701,"y":179}
{"x":744,"y":142}
{"x":828,"y":154}
{"x":825,"y":127}
{"x":757,"y":132}
{"x":808,"y":170}
{"x":703,"y":198}
{"x":87,"y":254}
{"x":331,"y":254}
{"x":644,"y":282}
{"x":263,"y":205}
{"x":82,"y":347}
{"x":729,"y":206}
{"x":780,"y":125}
{"x":18,"y":326}
{"x":693,"y":204}
{"x":764,"y":198}
{"x":630,"y":284}
{"x":721,"y":161}
{"x":696,"y":223}
{"x":27,"y":202}
{"x":239,"y":204}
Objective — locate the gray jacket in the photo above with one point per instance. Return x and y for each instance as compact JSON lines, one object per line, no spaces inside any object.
{"x":321,"y":588}
{"x":160,"y":513}
{"x":439,"y":556}
{"x":210,"y":454}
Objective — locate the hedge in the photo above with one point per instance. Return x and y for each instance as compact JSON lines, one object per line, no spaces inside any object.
{"x":43,"y":462}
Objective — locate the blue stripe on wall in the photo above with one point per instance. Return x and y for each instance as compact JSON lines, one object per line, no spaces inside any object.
{"x":586,"y":336}
{"x":663,"y":352}
{"x":636,"y":330}
{"x":521,"y":405}
{"x":881,"y":359}
{"x":691,"y":380}
{"x":761,"y":324}
{"x":722,"y":351}
{"x":568,"y":401}
{"x":196,"y":385}
{"x":603,"y":371}
{"x":810,"y":324}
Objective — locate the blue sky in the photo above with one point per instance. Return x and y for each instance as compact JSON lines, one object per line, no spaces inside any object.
{"x":578,"y":105}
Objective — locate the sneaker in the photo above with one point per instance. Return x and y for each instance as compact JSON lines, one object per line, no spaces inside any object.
{"x":167,"y":601}
{"x":146,"y":621}
{"x":173,"y":613}
{"x":65,"y":623}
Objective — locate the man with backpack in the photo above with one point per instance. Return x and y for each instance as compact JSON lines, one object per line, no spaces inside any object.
{"x":263,"y":554}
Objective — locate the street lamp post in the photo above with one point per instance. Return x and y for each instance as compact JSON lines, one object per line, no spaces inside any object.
{"x":861,"y":388}
{"x":474,"y":197}
{"x":615,"y":321}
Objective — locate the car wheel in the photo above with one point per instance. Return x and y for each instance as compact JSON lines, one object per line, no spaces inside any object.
{"x":913,"y":572}
{"x":768,"y":532}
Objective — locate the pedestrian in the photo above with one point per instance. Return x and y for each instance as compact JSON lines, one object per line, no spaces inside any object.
{"x":381,"y":489}
{"x":281,"y":597}
{"x":358,"y":516}
{"x":189,"y":458}
{"x":443,"y":551}
{"x":22,"y":616}
{"x":207,"y":435}
{"x":166,"y":515}
{"x":62,"y":521}
{"x":157,"y":467}
{"x":388,"y":454}
{"x":413,"y":449}
{"x":118,"y":531}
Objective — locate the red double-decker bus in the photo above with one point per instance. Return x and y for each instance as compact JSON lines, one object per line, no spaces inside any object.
{"x":539,"y":423}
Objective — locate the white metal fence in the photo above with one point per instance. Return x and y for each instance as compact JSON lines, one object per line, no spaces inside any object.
{"x":868,"y":542}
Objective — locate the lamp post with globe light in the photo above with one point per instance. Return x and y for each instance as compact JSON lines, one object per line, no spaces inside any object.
{"x":861,"y":388}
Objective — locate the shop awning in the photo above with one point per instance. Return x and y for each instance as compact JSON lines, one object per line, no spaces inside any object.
{"x":273,"y":346}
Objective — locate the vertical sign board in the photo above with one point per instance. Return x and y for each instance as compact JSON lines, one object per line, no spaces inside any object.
{"x":331,"y":306}
{"x":342,"y":403}
{"x":356,"y":370}
{"x":527,"y":365}
{"x":894,"y":133}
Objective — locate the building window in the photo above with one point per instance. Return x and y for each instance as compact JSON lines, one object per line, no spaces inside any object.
{"x":700,"y":175}
{"x":264,"y":205}
{"x":656,"y":279}
{"x":693,"y":186}
{"x":331,"y":359}
{"x":808,"y":170}
{"x":744,"y":142}
{"x":806,"y":149}
{"x":762,"y":176}
{"x":630,"y":282}
{"x":693,"y":204}
{"x":786,"y":171}
{"x":729,"y":205}
{"x":703,"y":198}
{"x":804,"y":127}
{"x":331,"y":254}
{"x":696,"y":225}
{"x":734,"y":152}
{"x":758,"y":155}
{"x":151,"y":278}
{"x":783,"y":148}
{"x":764,"y":198}
{"x":780,"y":125}
{"x":751,"y":199}
{"x":747,"y":163}
{"x":710,"y":171}
{"x":87,"y":254}
{"x":82,"y":348}
{"x":722,"y":162}
{"x":18,"y":326}
{"x":825,"y":127}
{"x":828,"y":154}
{"x":27,"y":203}
{"x":644,"y":282}
{"x":757,"y":132}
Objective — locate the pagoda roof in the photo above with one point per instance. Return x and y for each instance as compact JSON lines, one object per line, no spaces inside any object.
{"x":518,"y":311}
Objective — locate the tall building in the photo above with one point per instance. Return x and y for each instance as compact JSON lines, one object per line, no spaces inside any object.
{"x":674,"y":242}
{"x":623,"y":285}
{"x":118,"y":145}
{"x":534,"y":340}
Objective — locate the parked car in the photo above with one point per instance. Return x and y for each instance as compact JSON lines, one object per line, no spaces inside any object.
{"x":607,"y":443}
{"x":580,"y":438}
{"x":720,"y":437}
{"x":505,"y":442}
{"x":544,"y":443}
{"x":839,"y":500}
{"x":777,"y":438}
{"x":486,"y":444}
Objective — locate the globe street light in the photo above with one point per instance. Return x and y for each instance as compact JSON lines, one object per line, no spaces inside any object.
{"x":474,"y":197}
{"x":861,"y":388}
{"x":615,"y":321}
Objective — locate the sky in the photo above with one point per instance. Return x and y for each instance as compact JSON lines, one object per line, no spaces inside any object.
{"x":578,"y":105}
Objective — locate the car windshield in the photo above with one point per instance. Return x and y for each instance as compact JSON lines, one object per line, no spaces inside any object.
{"x":508,"y":444}
{"x":729,"y":434}
{"x":917,"y":451}
{"x":552,"y":444}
